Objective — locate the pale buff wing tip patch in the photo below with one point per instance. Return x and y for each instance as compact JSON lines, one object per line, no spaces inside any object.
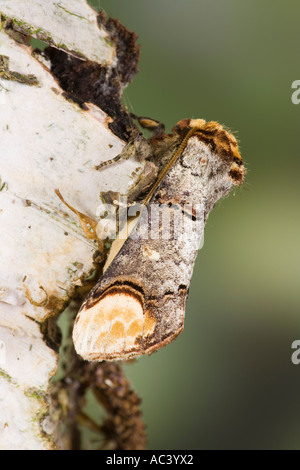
{"x":113,"y":328}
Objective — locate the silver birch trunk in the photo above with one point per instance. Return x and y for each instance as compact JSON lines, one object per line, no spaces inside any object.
{"x":47,"y":142}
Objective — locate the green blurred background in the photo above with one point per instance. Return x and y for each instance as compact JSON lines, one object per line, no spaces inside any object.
{"x":228,"y":382}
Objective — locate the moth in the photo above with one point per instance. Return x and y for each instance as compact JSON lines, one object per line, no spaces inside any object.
{"x":138,"y":305}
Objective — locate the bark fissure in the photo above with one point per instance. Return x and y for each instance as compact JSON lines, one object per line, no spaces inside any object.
{"x":48,"y":142}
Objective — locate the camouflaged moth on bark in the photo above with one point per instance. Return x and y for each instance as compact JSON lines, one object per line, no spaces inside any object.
{"x":138,"y":305}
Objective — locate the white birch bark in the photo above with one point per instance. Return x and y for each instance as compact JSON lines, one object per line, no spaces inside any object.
{"x":47,"y":142}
